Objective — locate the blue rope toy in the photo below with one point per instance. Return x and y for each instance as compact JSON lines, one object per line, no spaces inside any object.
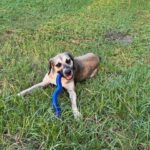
{"x":55,"y":95}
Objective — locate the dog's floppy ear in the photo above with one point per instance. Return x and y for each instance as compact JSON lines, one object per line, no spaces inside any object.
{"x":50,"y":64}
{"x":70,"y":55}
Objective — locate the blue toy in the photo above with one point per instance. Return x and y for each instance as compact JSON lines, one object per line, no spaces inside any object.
{"x":55,"y":95}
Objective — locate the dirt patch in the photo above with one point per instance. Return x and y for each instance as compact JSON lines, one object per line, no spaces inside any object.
{"x":119,"y":37}
{"x":7,"y":34}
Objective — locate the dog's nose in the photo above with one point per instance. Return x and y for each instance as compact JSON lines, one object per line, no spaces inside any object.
{"x":68,"y":72}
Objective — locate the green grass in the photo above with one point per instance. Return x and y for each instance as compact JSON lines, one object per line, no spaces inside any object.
{"x":115,"y":104}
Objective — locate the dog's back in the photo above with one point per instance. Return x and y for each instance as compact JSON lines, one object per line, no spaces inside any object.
{"x":86,"y":66}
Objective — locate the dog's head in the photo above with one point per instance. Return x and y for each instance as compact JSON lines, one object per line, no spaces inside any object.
{"x":62,"y":63}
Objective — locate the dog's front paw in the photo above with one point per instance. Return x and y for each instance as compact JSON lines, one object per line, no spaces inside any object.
{"x":77,"y":115}
{"x":19,"y":94}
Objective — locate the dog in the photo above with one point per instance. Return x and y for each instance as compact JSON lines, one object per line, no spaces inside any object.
{"x":72,"y":70}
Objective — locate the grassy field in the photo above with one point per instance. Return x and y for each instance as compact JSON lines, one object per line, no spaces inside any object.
{"x":115,"y":104}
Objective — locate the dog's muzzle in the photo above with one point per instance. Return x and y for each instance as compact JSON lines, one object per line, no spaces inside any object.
{"x":68,"y":73}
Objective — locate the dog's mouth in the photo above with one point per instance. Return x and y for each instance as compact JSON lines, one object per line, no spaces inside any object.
{"x":69,"y":77}
{"x":68,"y":74}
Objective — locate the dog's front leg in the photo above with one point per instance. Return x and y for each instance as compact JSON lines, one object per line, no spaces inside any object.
{"x":46,"y":81}
{"x":29,"y":90}
{"x":73,"y":97}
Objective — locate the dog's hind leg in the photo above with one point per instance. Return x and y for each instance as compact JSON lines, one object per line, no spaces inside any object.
{"x":94,"y":73}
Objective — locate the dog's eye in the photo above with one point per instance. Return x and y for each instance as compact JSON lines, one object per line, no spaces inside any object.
{"x":68,"y":61}
{"x":58,"y":65}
